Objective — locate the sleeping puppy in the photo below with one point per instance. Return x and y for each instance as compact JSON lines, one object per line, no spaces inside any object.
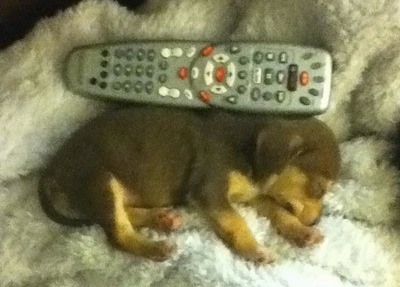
{"x":123,"y":170}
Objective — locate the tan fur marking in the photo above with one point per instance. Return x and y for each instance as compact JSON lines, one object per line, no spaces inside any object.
{"x":240,"y":188}
{"x":123,"y":227}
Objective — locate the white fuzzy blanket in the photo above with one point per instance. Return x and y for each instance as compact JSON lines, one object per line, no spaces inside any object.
{"x":37,"y":112}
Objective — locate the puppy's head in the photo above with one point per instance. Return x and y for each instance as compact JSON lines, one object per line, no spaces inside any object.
{"x":296,"y":169}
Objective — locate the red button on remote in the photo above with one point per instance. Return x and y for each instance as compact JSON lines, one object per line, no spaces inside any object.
{"x":304,"y":78}
{"x":204,"y":97}
{"x":182,"y":73}
{"x":207,"y":51}
{"x":220,"y":74}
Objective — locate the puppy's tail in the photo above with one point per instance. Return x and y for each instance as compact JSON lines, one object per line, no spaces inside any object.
{"x":46,"y":190}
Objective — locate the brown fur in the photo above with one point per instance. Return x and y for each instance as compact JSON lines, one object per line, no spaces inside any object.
{"x":123,"y":169}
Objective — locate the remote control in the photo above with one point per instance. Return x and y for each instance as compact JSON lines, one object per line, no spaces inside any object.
{"x":242,"y":76}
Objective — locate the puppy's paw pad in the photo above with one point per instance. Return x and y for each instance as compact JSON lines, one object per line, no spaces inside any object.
{"x":309,"y":237}
{"x":168,"y":220}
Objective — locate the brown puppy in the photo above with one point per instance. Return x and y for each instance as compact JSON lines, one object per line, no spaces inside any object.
{"x":122,"y":169}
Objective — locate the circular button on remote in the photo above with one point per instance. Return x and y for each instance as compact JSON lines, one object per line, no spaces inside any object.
{"x":258,"y":57}
{"x":305,"y":101}
{"x":241,"y":89}
{"x":255,"y":94}
{"x":149,"y":87}
{"x":128,"y":70}
{"x":163,"y":65}
{"x":242,"y":75}
{"x":117,"y":86}
{"x":267,"y":96}
{"x":117,"y":69}
{"x":163,"y":78}
{"x":140,"y":54}
{"x":129,"y":54}
{"x":280,"y":96}
{"x":138,"y":87}
{"x":313,"y":92}
{"x":244,"y":60}
{"x":139,"y":70}
{"x":151,"y":55}
{"x":150,"y":71}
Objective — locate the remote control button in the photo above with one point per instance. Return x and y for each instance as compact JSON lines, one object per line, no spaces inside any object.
{"x":208,"y":73}
{"x":313,"y":92}
{"x":103,"y":85}
{"x":221,"y":58}
{"x":316,"y":66}
{"x":139,"y":70}
{"x":292,"y":79}
{"x":104,"y":64}
{"x":138,"y":87}
{"x":307,"y":56}
{"x":207,"y":51}
{"x":232,"y":99}
{"x":105,"y":53}
{"x":244,"y":60}
{"x":195,"y":72}
{"x":182,"y":73}
{"x":255,"y":94}
{"x":220,"y":74}
{"x":318,"y":79}
{"x":119,"y":53}
{"x":128,"y":70}
{"x":270,"y":56}
{"x":174,"y":93}
{"x":218,"y":89}
{"x":117,"y":86}
{"x":150,"y":71}
{"x":117,"y":69}
{"x":166,"y":52}
{"x":258,"y":57}
{"x":257,"y":75}
{"x":127,"y":86}
{"x":267,"y":96}
{"x":242,"y":89}
{"x":149,"y":87}
{"x":304,"y":78}
{"x":305,"y":101}
{"x":163,"y":78}
{"x":280,"y":96}
{"x":103,"y":74}
{"x":191,"y":52}
{"x":242,"y":75}
{"x":204,"y":97}
{"x":283,"y":58}
{"x":268,"y":76}
{"x":163,"y":65}
{"x":230,"y":78}
{"x":163,"y":91}
{"x":234,"y":49}
{"x":93,"y":81}
{"x":151,"y":55}
{"x":141,"y":54}
{"x":177,"y":52}
{"x":188,"y":94}
{"x":280,"y":77}
{"x":129,"y":54}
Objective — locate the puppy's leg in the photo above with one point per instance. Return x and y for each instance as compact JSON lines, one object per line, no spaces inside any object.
{"x":163,"y":219}
{"x":230,"y":226}
{"x":123,"y":235}
{"x":286,"y":223}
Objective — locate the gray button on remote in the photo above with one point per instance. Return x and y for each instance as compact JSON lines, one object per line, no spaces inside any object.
{"x":242,"y":76}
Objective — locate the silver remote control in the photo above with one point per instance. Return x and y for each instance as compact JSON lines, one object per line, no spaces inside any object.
{"x":242,"y":76}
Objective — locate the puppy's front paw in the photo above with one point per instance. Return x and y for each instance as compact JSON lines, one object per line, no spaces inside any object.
{"x":168,"y":220}
{"x":308,"y":236}
{"x":161,"y":250}
{"x":261,"y":255}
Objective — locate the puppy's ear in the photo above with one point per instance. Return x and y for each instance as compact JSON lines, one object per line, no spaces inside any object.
{"x":276,"y":146}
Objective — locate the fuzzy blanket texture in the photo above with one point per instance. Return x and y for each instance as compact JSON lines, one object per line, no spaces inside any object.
{"x":37,"y":112}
